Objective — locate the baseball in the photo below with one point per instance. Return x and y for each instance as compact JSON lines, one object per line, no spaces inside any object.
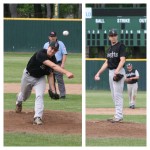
{"x":65,"y":33}
{"x":97,"y":78}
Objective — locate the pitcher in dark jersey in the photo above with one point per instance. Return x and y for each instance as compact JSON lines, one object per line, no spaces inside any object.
{"x":115,"y":63}
{"x":40,"y":64}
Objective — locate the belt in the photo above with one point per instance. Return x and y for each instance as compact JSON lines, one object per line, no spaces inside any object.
{"x":58,"y":62}
{"x":27,"y":72}
{"x":112,"y":68}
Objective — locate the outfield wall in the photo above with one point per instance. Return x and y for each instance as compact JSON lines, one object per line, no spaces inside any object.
{"x":92,"y":66}
{"x":26,"y":35}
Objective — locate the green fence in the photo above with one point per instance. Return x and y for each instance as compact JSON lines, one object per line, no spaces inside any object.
{"x":27,"y":35}
{"x":92,"y":66}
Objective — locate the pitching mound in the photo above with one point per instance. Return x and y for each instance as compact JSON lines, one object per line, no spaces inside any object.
{"x":105,"y":129}
{"x":55,"y":122}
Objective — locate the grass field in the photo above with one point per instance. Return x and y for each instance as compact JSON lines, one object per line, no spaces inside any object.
{"x":14,"y":63}
{"x":102,"y":99}
{"x":72,"y":103}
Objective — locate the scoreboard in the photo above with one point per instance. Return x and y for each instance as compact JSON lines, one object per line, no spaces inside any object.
{"x":130,"y":25}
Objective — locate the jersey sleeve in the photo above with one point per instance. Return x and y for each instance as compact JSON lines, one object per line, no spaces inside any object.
{"x":122,"y":50}
{"x":62,"y":48}
{"x":41,"y":56}
{"x":136,"y":73}
{"x":46,"y":45}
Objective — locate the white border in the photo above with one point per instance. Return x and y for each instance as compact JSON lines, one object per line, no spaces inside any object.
{"x":83,"y":72}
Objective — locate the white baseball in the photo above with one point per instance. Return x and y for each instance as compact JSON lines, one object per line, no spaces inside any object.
{"x":66,"y":33}
{"x":97,"y":78}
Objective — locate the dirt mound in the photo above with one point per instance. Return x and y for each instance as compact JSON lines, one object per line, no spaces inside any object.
{"x":55,"y":122}
{"x":107,"y":129}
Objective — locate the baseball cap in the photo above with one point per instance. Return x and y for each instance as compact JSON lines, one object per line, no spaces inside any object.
{"x":52,"y":34}
{"x":129,"y":64}
{"x":112,"y":32}
{"x":54,"y":45}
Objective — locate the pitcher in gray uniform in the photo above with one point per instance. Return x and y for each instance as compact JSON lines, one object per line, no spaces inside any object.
{"x":132,"y":76}
{"x":115,"y":60}
{"x":40,"y":64}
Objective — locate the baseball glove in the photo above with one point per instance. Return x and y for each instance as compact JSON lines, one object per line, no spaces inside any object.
{"x":118,"y":77}
{"x":54,"y":96}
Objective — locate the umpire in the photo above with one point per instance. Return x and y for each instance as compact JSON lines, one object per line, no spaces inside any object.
{"x":115,"y":61}
{"x":61,"y":57}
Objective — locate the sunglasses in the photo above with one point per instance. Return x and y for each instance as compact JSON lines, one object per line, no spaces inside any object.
{"x":113,"y":35}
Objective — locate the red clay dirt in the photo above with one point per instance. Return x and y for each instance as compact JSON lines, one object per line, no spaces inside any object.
{"x":54,"y":122}
{"x":105,"y":129}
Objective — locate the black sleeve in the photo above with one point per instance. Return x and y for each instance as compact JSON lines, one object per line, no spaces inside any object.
{"x":122,"y":50}
{"x":41,"y":56}
{"x":53,"y":59}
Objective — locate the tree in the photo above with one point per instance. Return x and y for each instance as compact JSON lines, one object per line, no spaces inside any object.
{"x":49,"y":14}
{"x":6,"y":10}
{"x":37,"y":11}
{"x":13,"y":10}
{"x":80,"y":11}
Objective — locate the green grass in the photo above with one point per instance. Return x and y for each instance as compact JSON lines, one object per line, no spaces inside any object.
{"x":25,"y":139}
{"x":102,"y":99}
{"x":72,"y":103}
{"x":127,"y":118}
{"x":14,"y":63}
{"x":115,"y":142}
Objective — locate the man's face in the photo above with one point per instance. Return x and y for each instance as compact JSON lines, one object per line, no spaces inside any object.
{"x":51,"y":51}
{"x":52,"y":38}
{"x":129,"y":68}
{"x":113,"y":38}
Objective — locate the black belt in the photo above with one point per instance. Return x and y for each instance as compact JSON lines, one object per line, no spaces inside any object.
{"x":59,"y":62}
{"x":112,"y":68}
{"x":27,"y":72}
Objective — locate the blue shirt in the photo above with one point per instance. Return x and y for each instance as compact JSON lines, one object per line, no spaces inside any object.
{"x":61,"y":51}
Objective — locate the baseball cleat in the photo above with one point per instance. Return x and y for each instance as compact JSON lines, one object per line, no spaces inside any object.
{"x":115,"y":120}
{"x":62,"y":97}
{"x":37,"y":121}
{"x":133,"y":107}
{"x":110,"y":119}
{"x":19,"y":107}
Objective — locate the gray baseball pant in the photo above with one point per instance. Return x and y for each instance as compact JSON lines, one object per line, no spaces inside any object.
{"x":39,"y":85}
{"x":132,"y":91}
{"x":117,"y":93}
{"x":60,"y":81}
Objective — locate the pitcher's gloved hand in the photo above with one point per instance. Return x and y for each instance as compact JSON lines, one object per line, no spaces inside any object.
{"x":54,"y":96}
{"x":118,"y":77}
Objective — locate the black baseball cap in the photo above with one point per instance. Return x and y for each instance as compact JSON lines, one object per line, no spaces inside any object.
{"x":129,"y":64}
{"x":112,"y":32}
{"x":54,"y":45}
{"x":52,"y":34}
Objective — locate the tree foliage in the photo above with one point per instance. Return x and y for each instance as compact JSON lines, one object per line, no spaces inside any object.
{"x":42,"y":10}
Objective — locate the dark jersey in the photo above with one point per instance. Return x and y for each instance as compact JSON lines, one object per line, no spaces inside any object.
{"x":35,"y":66}
{"x":130,"y":74}
{"x":114,"y":53}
